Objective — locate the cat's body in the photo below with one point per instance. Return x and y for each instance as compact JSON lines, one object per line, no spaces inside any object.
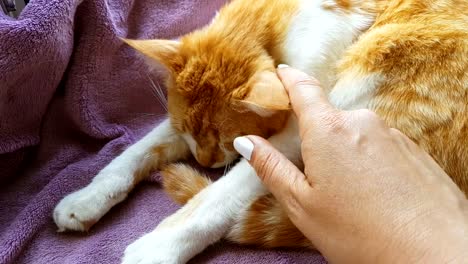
{"x":404,"y":59}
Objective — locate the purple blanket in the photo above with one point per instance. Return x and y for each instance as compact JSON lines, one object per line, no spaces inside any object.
{"x":72,"y":97}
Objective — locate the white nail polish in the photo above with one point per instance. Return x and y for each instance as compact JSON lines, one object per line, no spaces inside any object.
{"x":244,"y":146}
{"x":282,"y":66}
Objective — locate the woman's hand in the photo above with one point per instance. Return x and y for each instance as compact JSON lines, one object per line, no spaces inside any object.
{"x":368,"y":194}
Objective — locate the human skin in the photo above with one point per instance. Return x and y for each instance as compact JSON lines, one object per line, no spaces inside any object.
{"x":368,"y":194}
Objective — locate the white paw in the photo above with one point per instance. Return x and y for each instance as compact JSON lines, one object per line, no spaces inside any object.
{"x":80,"y":210}
{"x":158,"y":247}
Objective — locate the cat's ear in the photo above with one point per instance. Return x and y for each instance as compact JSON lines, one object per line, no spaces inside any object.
{"x":167,"y":52}
{"x":267,"y":95}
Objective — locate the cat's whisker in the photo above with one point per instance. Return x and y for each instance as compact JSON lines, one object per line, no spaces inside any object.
{"x":158,"y":93}
{"x":161,"y":94}
{"x":225,"y":169}
{"x":155,"y":95}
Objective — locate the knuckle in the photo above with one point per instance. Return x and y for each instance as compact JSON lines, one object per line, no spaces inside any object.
{"x":366,"y":113}
{"x":367,"y":119}
{"x":294,"y":206}
{"x":369,"y":116}
{"x":397,"y":135}
{"x":334,"y":123}
{"x":396,"y":132}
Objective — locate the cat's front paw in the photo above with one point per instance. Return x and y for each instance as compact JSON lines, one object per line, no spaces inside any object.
{"x":154,"y":248}
{"x":80,"y":210}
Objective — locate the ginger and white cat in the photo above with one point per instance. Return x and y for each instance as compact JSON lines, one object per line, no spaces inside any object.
{"x":407,"y":60}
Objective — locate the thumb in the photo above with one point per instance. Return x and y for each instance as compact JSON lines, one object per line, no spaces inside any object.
{"x":278,"y":174}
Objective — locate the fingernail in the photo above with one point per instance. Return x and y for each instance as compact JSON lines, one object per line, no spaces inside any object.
{"x":282,"y":66}
{"x":244,"y":146}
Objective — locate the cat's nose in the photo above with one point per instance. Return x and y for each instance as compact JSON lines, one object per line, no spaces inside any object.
{"x":210,"y":159}
{"x":205,"y":160}
{"x":211,"y":164}
{"x":205,"y":163}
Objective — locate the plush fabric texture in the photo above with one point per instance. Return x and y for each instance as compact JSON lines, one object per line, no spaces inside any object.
{"x":72,"y":97}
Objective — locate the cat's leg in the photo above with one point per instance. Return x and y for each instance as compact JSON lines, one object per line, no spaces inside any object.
{"x":202,"y":221}
{"x":208,"y":216}
{"x":83,"y":208}
{"x":263,"y":223}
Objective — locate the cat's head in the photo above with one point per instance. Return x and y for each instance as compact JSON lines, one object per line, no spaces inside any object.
{"x":217,"y":92}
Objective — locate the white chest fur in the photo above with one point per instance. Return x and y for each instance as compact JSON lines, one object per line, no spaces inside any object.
{"x":318,"y":38}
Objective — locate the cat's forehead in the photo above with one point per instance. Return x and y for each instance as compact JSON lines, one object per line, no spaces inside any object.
{"x":202,"y":81}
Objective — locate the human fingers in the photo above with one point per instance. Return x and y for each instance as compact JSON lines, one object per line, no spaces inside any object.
{"x":307,"y":97}
{"x":278,"y":174}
